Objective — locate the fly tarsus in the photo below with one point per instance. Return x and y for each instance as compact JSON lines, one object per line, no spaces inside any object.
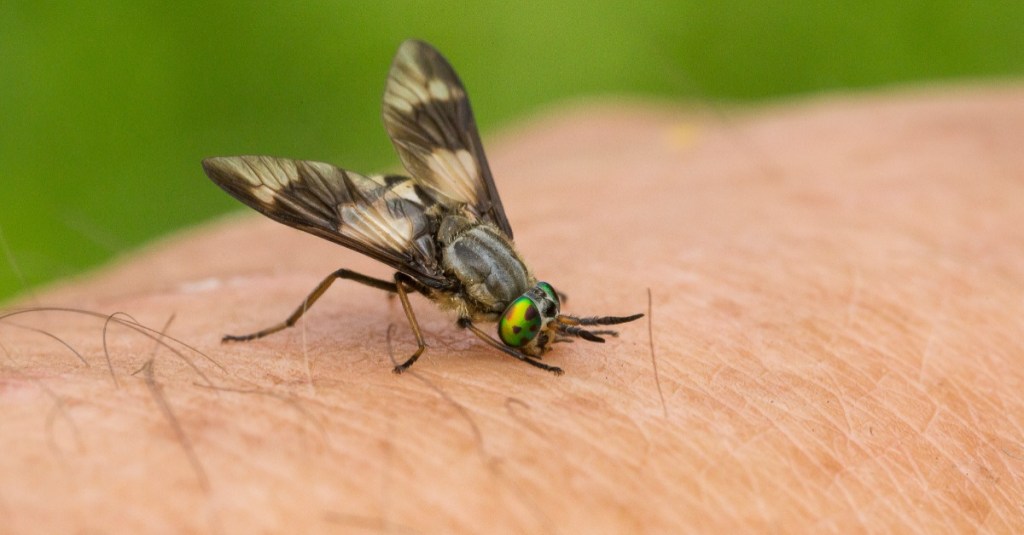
{"x":401,"y":281}
{"x":241,"y":338}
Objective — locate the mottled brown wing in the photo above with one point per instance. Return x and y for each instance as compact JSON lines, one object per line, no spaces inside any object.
{"x":427,"y":115}
{"x":388,"y":218}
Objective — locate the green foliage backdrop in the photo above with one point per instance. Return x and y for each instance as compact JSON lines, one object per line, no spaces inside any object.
{"x":107,"y":107}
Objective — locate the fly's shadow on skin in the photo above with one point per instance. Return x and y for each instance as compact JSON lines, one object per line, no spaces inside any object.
{"x":494,"y":464}
{"x":478,"y":437}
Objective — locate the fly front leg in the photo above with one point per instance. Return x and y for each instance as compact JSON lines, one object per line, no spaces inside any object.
{"x":467,"y":324}
{"x":311,"y":298}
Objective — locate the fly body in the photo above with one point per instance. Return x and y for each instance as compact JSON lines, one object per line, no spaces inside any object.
{"x":443,"y":229}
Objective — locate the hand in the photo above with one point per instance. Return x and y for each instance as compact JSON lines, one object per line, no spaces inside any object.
{"x":834,"y":345}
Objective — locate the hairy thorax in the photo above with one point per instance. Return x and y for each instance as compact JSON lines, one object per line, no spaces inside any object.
{"x":486,"y":264}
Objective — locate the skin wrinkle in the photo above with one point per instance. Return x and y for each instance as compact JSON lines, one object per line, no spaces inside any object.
{"x":932,"y":334}
{"x":847,"y":420}
{"x":527,"y":499}
{"x":965,"y":425}
{"x":880,"y":499}
{"x":939,"y":500}
{"x":905,"y":510}
{"x":387,"y":475}
{"x":603,"y":481}
{"x":851,"y":469}
{"x":733,"y":449}
{"x":291,"y":400}
{"x":805,"y":445}
{"x":934,"y":446}
{"x":512,"y":490}
{"x":844,"y":408}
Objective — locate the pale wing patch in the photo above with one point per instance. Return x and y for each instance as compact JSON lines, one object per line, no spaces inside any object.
{"x":391,"y":98}
{"x":408,"y":94}
{"x":439,"y":90}
{"x":407,"y":190}
{"x":373,"y":222}
{"x":460,"y":177}
{"x":372,"y":226}
{"x":264,"y":194}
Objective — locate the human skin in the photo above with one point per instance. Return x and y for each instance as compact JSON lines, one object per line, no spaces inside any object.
{"x":832,"y":345}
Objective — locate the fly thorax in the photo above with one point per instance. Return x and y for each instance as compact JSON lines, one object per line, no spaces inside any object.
{"x":452,"y":226}
{"x":484,"y":261}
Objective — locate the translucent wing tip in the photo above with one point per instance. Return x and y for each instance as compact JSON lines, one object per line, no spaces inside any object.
{"x":416,"y":56}
{"x":212,"y":163}
{"x":216,"y":167}
{"x":413,"y":44}
{"x":224,"y":169}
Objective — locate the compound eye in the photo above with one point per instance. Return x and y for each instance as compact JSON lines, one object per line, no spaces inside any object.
{"x":520,"y":322}
{"x":551,"y":293}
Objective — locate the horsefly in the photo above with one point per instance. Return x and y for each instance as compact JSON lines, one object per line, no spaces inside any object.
{"x":443,"y":228}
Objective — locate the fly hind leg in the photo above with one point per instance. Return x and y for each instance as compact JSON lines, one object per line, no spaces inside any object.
{"x":312,"y":297}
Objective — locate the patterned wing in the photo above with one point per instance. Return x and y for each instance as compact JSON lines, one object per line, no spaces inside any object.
{"x":427,"y":115}
{"x":388,"y":218}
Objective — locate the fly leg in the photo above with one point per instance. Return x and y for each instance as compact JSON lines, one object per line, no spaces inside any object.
{"x":466,"y":324}
{"x":401,"y":280}
{"x":313,"y":296}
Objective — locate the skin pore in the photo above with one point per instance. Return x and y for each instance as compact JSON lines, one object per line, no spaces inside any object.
{"x":833,"y":344}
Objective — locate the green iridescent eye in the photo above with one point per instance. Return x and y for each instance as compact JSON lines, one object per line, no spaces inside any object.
{"x":520,"y":322}
{"x":550,"y":292}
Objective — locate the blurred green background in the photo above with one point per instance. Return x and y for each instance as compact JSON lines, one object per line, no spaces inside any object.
{"x":107,"y":107}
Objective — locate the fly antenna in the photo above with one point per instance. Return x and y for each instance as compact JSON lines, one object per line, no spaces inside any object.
{"x":566,"y":319}
{"x":575,"y":330}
